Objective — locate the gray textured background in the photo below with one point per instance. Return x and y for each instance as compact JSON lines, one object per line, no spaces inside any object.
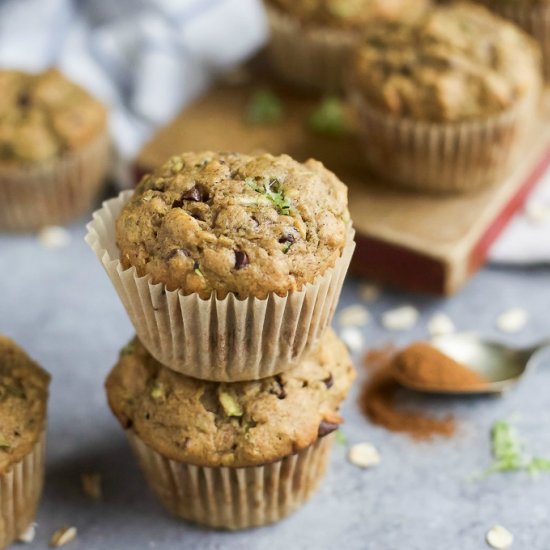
{"x":60,"y":306}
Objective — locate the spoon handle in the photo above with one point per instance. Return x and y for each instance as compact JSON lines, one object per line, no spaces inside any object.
{"x":539,"y":346}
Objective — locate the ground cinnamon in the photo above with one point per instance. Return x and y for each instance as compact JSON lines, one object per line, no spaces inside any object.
{"x":380,"y":396}
{"x":423,"y":367}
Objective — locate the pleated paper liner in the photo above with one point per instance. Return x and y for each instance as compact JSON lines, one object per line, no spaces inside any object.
{"x":313,"y":57}
{"x":53,"y":192}
{"x":534,"y":19}
{"x":20,"y":491}
{"x":234,"y":498}
{"x":225,"y":340}
{"x":443,"y":157}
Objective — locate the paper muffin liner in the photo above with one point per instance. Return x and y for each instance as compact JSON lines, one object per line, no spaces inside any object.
{"x":443,"y":157}
{"x":224,"y":340}
{"x":53,"y":192}
{"x":314,"y":57}
{"x":20,"y":491}
{"x":234,"y":498}
{"x":533,"y":19}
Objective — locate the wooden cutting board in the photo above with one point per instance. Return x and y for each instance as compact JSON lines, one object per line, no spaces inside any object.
{"x":419,"y":242}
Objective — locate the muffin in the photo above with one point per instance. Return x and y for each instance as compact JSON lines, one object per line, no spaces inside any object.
{"x":312,"y":41}
{"x":230,"y":266}
{"x":444,"y":104}
{"x":23,"y":401}
{"x":531,"y":15}
{"x":54,"y":149}
{"x":231,"y":455}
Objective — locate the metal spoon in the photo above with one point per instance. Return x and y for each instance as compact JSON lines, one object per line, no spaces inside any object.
{"x":501,"y":365}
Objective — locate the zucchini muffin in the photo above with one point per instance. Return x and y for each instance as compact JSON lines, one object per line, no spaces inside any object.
{"x":312,"y":41}
{"x":230,"y":266}
{"x":23,"y":402}
{"x":218,"y":223}
{"x":53,"y":149}
{"x":231,"y":455}
{"x":533,"y":16}
{"x":447,"y":100}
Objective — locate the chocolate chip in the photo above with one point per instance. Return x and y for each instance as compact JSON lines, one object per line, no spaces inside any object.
{"x":23,"y":100}
{"x":280,"y":391}
{"x":195,"y":194}
{"x":241,"y":259}
{"x":287,"y":239}
{"x":329,"y":382}
{"x":326,"y":428}
{"x":176,"y":252}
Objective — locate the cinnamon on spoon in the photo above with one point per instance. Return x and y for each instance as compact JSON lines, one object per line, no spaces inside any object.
{"x":421,"y":366}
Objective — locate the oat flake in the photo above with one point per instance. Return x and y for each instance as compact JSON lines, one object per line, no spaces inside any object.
{"x":537,"y":212}
{"x":54,"y":236}
{"x":440,"y":324}
{"x":356,"y":315}
{"x":401,"y":318}
{"x":364,"y":455}
{"x":27,"y":536}
{"x":512,"y":320}
{"x":63,"y":536}
{"x":91,"y":485}
{"x":369,"y":293}
{"x":499,"y":537}
{"x":353,"y":338}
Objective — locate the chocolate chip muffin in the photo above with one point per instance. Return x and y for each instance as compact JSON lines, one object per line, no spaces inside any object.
{"x":230,"y":223}
{"x":23,"y":401}
{"x":278,"y":426}
{"x":313,"y":40}
{"x":230,"y":266}
{"x":533,"y":16}
{"x":460,"y":63}
{"x":447,"y":100}
{"x":53,"y":148}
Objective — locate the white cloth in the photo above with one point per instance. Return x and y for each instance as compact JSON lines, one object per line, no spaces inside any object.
{"x":144,"y":58}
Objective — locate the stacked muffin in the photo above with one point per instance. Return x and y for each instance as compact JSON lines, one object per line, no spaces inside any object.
{"x":54,"y":149}
{"x":230,"y":267}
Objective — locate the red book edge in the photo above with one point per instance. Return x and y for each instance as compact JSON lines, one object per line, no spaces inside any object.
{"x":411,"y":270}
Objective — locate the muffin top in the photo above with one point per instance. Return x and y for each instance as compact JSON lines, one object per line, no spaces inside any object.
{"x":225,"y":222}
{"x":23,"y":402}
{"x":351,"y":13}
{"x":459,"y":63}
{"x":43,"y":116}
{"x":239,"y":424}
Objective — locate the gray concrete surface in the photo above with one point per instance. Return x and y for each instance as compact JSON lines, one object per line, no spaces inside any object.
{"x":60,"y":306}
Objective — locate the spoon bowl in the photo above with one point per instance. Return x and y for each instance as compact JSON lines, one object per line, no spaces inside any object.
{"x":502,"y":366}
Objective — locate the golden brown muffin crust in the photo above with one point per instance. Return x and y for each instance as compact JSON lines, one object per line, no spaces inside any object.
{"x":226,"y":222}
{"x":460,"y":62}
{"x":43,"y":116}
{"x":240,"y":424}
{"x":351,"y":13}
{"x":23,"y":402}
